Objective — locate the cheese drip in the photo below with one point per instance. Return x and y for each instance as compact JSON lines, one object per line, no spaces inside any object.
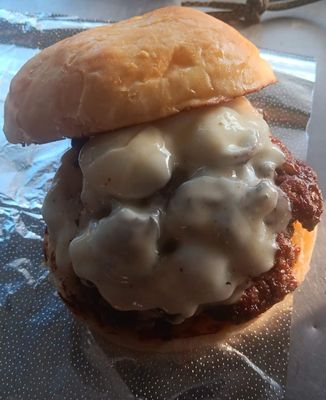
{"x":174,"y":214}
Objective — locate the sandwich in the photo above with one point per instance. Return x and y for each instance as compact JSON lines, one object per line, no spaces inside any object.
{"x":176,"y":213}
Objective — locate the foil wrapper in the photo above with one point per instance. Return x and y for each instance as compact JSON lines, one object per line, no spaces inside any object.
{"x":45,"y":353}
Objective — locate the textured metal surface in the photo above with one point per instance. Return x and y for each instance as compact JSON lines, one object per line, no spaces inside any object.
{"x":45,"y":353}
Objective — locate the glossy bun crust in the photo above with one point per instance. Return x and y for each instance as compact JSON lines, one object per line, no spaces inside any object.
{"x":199,"y":329}
{"x":134,"y":71}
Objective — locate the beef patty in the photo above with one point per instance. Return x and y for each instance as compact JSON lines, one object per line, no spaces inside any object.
{"x":299,"y":182}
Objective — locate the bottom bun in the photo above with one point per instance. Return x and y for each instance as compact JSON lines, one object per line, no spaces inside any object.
{"x":71,"y":291}
{"x":112,"y":343}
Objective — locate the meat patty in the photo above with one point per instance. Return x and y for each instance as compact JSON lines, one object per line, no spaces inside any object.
{"x":299,"y":182}
{"x":267,"y":289}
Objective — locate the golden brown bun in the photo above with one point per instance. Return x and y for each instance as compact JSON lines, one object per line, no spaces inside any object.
{"x":68,"y":286}
{"x":134,"y":71}
{"x":305,"y":240}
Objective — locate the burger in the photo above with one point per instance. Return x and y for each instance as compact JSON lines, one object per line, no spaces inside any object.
{"x":175,"y":213}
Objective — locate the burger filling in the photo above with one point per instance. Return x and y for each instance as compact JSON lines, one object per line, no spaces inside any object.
{"x":175,"y":215}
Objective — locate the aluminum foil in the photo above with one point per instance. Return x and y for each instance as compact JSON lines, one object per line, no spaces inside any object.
{"x":45,"y":353}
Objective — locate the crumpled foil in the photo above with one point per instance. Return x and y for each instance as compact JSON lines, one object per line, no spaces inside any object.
{"x":45,"y":353}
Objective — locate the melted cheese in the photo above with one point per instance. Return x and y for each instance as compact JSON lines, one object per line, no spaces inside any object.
{"x":176,"y":214}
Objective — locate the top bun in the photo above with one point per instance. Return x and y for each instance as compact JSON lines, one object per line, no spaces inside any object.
{"x":134,"y":71}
